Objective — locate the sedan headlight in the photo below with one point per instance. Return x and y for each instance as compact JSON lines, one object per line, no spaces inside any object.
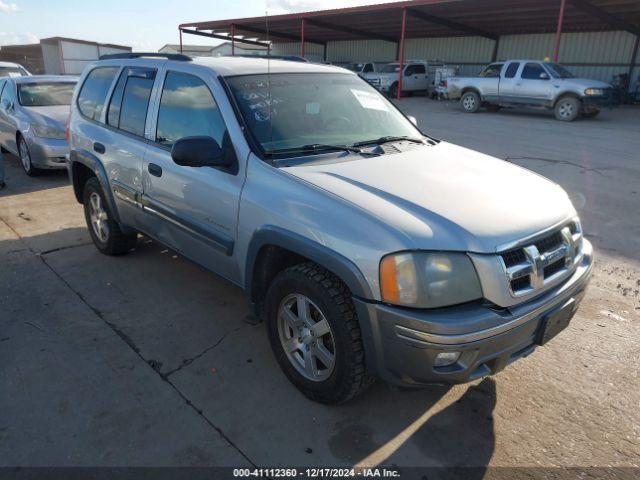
{"x":594,"y":91}
{"x":428,"y":279}
{"x":46,"y":131}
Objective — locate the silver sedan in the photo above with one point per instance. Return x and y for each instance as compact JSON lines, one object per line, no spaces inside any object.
{"x":33,"y":115}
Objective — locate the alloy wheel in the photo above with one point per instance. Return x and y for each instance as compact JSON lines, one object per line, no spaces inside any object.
{"x":566,"y":109}
{"x":99,"y":217}
{"x":469,"y":103}
{"x":25,"y":157}
{"x":306,"y":337}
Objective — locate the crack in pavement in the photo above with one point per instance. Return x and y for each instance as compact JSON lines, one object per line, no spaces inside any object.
{"x":189,"y":361}
{"x":67,"y":247}
{"x":555,"y":161}
{"x":131,"y":344}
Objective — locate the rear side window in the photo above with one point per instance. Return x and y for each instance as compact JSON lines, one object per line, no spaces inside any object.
{"x":93,"y":94}
{"x":511,"y":70}
{"x":130,"y":100}
{"x":492,"y":71}
{"x":532,"y":71}
{"x":187,"y":108}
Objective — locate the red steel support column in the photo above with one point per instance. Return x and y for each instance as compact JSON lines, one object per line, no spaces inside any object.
{"x":233,"y":39}
{"x":556,"y":50}
{"x":401,"y":55}
{"x":180,"y":30}
{"x":302,"y":22}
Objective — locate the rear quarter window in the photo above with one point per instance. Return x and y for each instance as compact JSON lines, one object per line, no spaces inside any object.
{"x":93,"y":93}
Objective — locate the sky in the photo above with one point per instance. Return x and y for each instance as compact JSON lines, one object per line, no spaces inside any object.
{"x":142,"y":24}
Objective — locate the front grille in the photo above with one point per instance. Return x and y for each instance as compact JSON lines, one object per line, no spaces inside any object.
{"x":533,"y":265}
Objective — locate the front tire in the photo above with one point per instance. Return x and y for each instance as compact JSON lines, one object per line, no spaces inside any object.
{"x":105,"y":232}
{"x":393,"y":91}
{"x":25,"y":158}
{"x":567,"y":109}
{"x":470,"y":102}
{"x":314,"y":333}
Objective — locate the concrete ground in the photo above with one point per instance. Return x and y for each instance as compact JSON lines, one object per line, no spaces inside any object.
{"x":147,"y":359}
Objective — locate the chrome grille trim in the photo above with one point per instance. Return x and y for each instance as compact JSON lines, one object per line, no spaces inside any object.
{"x":529,"y":270}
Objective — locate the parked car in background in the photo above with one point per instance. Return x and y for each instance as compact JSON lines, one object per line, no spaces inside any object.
{"x":363,"y":69}
{"x":33,"y":114}
{"x":531,"y":83}
{"x":418,"y":76}
{"x":9,"y":69}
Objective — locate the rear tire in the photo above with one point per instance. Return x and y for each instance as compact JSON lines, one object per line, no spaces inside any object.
{"x":470,"y":102}
{"x":105,"y":232}
{"x":567,"y":109}
{"x":337,"y":374}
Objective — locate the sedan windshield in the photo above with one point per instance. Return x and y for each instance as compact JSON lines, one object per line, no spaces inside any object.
{"x":13,"y":72}
{"x":558,"y":70}
{"x":294,"y":112}
{"x":45,"y":94}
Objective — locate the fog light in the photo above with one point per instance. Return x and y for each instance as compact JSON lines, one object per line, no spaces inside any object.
{"x":444,"y":359}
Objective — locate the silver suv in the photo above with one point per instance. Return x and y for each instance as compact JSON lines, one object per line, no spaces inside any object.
{"x":367,"y":247}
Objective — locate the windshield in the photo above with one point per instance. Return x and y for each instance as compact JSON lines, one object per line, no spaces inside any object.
{"x":355,"y":67}
{"x":45,"y":94}
{"x":13,"y":72}
{"x":315,"y":108}
{"x":391,"y":68}
{"x":558,"y":70}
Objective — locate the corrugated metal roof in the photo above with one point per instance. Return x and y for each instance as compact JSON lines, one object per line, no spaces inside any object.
{"x":436,"y":18}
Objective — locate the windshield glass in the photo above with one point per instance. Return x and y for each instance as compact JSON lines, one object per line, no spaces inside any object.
{"x":45,"y":94}
{"x":558,"y":70}
{"x":355,"y":67}
{"x":391,"y":68}
{"x":315,"y":108}
{"x":12,"y":72}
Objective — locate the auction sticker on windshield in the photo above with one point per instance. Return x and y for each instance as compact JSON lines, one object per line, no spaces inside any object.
{"x":369,"y":100}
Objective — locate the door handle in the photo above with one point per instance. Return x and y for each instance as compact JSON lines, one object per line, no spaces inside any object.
{"x":155,"y":170}
{"x":98,"y":147}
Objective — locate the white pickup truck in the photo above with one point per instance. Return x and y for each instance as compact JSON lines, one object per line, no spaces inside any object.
{"x":417,"y":76}
{"x":531,"y":83}
{"x":362,"y":68}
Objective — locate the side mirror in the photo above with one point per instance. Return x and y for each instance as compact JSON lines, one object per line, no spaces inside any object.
{"x":413,"y":120}
{"x":198,"y":151}
{"x":544,"y":76}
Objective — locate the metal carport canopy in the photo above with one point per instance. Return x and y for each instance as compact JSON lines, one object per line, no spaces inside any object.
{"x":396,"y":22}
{"x":432,"y":18}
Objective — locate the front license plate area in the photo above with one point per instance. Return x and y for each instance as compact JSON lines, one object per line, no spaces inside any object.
{"x":556,"y":321}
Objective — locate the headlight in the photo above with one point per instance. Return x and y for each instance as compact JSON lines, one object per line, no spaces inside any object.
{"x":594,"y":91}
{"x":45,"y":131}
{"x":384,"y":81}
{"x":428,"y":279}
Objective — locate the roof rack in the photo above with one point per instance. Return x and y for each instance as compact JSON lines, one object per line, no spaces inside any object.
{"x":169,"y":56}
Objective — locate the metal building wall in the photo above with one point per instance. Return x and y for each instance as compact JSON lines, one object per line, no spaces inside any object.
{"x":597,"y":55}
{"x":361,"y":50}
{"x":312,"y":51}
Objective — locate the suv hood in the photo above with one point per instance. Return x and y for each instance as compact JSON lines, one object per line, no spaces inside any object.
{"x":445,"y":197}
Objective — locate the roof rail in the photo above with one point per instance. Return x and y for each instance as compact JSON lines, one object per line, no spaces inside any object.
{"x":168,"y":56}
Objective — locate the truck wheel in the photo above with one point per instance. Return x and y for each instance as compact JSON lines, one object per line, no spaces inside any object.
{"x":314,"y":334}
{"x":470,"y":102}
{"x":567,"y":109}
{"x":104,"y":230}
{"x":393,"y":91}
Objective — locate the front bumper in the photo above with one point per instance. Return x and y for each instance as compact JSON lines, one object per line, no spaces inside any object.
{"x":48,"y":153}
{"x":402,"y":344}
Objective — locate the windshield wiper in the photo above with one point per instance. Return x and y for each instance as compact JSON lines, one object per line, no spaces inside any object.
{"x":315,"y":147}
{"x":388,"y":139}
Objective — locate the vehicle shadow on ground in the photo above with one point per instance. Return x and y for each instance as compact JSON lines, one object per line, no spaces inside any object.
{"x":17,"y":181}
{"x":175,"y":315}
